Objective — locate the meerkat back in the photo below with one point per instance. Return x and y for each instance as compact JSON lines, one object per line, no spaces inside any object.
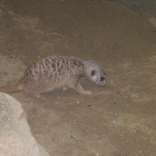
{"x":50,"y":73}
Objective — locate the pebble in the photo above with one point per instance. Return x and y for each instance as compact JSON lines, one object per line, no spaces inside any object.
{"x":89,"y":105}
{"x":115,"y":123}
{"x":74,"y":137}
{"x":114,"y":100}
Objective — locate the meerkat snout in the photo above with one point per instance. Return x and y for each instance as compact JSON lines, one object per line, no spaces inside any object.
{"x":98,"y":76}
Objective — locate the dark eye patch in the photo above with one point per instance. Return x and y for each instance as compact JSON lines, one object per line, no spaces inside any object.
{"x":102,"y":78}
{"x":92,"y":72}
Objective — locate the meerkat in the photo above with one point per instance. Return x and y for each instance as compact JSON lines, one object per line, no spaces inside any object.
{"x":54,"y":72}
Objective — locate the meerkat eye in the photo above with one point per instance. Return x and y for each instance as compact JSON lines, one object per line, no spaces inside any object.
{"x":102,"y":78}
{"x":92,"y":72}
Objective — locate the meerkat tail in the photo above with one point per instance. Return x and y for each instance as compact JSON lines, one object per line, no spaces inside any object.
{"x":12,"y":88}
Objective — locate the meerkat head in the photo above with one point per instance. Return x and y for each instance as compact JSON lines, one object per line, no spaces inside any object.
{"x":95,"y":72}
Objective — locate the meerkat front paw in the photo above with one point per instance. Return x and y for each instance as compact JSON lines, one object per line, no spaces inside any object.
{"x":85,"y":92}
{"x":88,"y":92}
{"x":80,"y":89}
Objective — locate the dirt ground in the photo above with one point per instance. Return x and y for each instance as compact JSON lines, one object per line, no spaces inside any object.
{"x":117,"y":120}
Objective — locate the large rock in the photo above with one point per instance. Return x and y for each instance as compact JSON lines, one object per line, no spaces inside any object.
{"x":15,"y":135}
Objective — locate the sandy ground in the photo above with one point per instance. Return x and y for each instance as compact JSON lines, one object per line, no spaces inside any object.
{"x":117,"y":120}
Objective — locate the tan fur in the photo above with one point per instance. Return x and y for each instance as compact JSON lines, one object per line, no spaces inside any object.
{"x":12,"y":88}
{"x":53,"y":72}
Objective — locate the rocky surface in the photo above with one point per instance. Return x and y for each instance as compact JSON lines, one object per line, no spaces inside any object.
{"x":15,"y":135}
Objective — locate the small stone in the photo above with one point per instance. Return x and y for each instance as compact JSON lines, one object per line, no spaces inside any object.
{"x":114,"y":100}
{"x":115,"y":123}
{"x":89,"y":105}
{"x":74,"y":137}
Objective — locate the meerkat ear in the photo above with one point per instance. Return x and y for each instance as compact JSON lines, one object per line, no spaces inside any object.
{"x":92,"y":72}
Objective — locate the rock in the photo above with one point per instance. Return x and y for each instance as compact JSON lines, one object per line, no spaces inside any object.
{"x":15,"y":135}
